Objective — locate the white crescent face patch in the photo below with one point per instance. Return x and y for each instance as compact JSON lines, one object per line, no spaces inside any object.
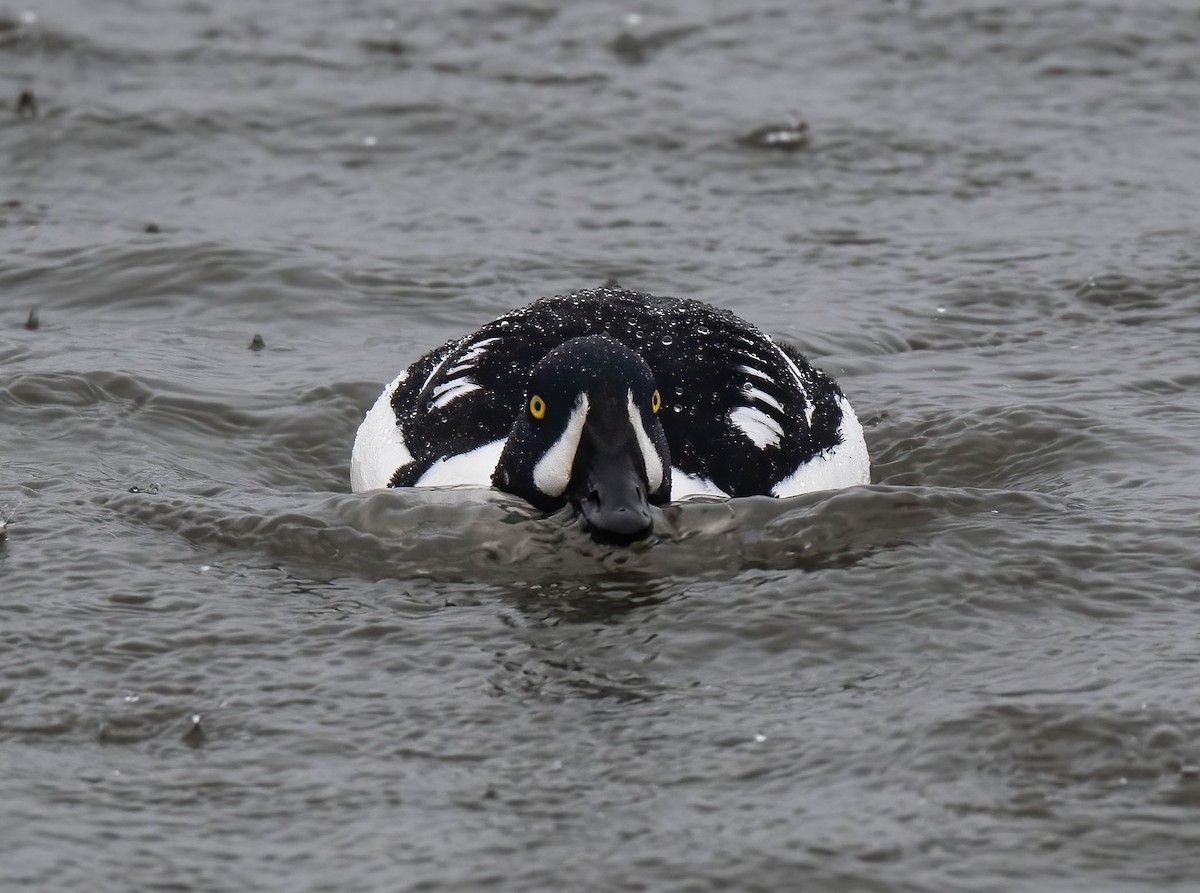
{"x":552,"y":472}
{"x":650,"y":457}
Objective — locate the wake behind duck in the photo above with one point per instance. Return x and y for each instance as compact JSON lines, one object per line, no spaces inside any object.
{"x":613,"y":401}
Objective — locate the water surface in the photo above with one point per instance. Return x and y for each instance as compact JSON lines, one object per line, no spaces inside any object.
{"x":221,"y":670}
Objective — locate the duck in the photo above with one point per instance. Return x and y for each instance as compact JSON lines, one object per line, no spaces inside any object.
{"x":613,"y":401}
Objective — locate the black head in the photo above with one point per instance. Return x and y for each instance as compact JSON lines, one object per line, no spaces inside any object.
{"x":588,"y":434}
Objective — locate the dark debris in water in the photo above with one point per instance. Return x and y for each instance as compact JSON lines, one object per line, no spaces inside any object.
{"x":33,"y":322}
{"x":627,"y":47}
{"x":195,"y":735}
{"x":27,"y":105}
{"x":134,"y":599}
{"x":635,"y":48}
{"x":387,"y":46}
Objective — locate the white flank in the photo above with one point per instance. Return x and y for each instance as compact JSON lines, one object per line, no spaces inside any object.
{"x":470,"y":469}
{"x":451,"y":390}
{"x":846,"y":465}
{"x":763,"y":430}
{"x":654,"y":466}
{"x":379,"y":447}
{"x":552,"y":472}
{"x":685,"y":485}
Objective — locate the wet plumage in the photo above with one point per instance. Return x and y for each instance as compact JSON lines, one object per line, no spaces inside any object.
{"x":740,"y":414}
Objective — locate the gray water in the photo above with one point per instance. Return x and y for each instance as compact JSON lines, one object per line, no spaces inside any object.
{"x":220,"y":670}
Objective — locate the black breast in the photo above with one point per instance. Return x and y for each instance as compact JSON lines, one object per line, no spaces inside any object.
{"x":707,"y":363}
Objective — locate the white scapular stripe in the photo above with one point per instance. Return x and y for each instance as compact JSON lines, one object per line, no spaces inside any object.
{"x":653,"y":462}
{"x":467,"y":360}
{"x":762,"y":397}
{"x":436,"y":369}
{"x":450,"y":391}
{"x":808,"y":404}
{"x":757,"y":373}
{"x":552,"y":472}
{"x":763,"y":430}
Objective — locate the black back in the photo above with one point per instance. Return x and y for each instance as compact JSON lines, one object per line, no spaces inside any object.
{"x":694,"y":350}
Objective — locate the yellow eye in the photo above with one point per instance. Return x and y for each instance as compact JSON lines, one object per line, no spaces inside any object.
{"x":537,"y":407}
{"x":655,"y":402}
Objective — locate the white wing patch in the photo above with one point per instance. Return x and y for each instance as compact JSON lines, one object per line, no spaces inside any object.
{"x":846,"y":465}
{"x":653,"y":462}
{"x":763,"y":430}
{"x":552,"y":472}
{"x":379,"y":447}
